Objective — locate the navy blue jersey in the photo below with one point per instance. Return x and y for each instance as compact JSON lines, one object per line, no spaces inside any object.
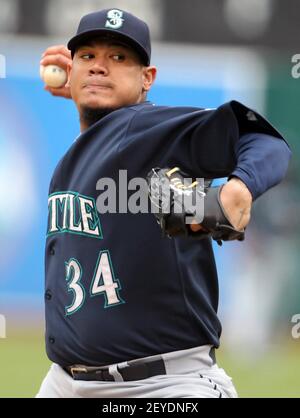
{"x":115,"y":289}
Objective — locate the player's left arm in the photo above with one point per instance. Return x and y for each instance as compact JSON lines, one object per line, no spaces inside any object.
{"x":236,"y":200}
{"x":231,"y":141}
{"x":261,"y":163}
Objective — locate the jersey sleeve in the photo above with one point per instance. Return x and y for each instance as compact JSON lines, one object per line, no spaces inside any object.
{"x":207,"y":143}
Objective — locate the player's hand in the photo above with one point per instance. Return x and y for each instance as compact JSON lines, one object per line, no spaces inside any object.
{"x":61,"y":56}
{"x":237,"y":202}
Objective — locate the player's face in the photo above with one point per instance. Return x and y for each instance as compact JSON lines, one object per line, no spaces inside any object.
{"x":107,"y":74}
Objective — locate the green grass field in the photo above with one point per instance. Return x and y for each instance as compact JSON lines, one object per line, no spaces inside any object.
{"x":23,"y":364}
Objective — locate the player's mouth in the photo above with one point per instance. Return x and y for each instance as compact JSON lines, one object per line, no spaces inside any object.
{"x":97,"y":86}
{"x":94,"y":85}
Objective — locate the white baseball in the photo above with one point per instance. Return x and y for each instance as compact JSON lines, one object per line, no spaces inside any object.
{"x":53,"y":75}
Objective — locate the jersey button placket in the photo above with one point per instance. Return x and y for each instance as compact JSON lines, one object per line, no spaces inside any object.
{"x":48,"y":295}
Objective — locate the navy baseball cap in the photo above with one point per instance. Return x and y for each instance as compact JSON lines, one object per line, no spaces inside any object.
{"x":114,"y":23}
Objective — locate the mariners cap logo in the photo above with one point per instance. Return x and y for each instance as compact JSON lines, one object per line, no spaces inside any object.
{"x":114,"y":19}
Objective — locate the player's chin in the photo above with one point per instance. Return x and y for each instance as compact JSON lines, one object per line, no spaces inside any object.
{"x":97,"y":102}
{"x":102,"y":99}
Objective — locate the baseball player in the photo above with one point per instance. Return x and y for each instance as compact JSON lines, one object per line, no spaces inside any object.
{"x":129,"y":312}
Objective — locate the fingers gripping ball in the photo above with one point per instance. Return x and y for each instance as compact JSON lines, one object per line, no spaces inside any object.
{"x":53,"y":75}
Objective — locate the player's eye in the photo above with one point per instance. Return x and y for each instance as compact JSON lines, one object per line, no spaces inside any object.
{"x":118,"y":57}
{"x":87,"y":56}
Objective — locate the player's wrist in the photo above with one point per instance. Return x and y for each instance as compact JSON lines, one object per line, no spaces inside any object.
{"x":239,"y":190}
{"x":237,"y":202}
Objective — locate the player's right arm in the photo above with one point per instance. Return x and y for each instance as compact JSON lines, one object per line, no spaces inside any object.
{"x":61,"y":56}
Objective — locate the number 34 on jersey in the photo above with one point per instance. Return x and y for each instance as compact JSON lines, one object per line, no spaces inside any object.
{"x":103,"y":283}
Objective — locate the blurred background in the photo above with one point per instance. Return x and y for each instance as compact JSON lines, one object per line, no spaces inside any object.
{"x":207,"y":52}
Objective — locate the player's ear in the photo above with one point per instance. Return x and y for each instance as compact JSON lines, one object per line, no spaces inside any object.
{"x":149,"y":75}
{"x":69,"y":69}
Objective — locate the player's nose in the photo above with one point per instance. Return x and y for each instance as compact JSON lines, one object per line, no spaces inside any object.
{"x":98,"y":67}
